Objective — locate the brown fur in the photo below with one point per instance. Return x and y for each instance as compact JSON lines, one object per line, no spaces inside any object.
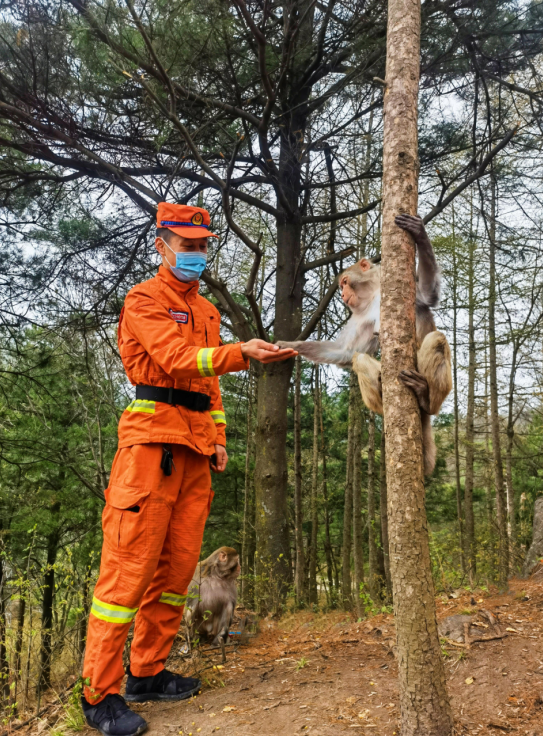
{"x":212,"y":595}
{"x":434,"y":364}
{"x":368,"y":371}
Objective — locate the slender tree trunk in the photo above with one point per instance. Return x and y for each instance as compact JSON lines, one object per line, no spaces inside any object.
{"x":373,"y":558}
{"x":501,"y":502}
{"x":511,"y":505}
{"x":383,"y":508}
{"x":424,"y":702}
{"x":470,"y":426}
{"x":358,"y":539}
{"x":248,"y":532}
{"x":327,"y":538}
{"x":313,"y":592}
{"x":48,"y":597}
{"x":489,"y":474}
{"x":346,"y":592}
{"x":459,"y":514}
{"x":19,"y":641}
{"x":298,"y":509}
{"x":4,"y":663}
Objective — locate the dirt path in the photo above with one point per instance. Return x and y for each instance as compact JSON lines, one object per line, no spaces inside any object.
{"x":324,"y":675}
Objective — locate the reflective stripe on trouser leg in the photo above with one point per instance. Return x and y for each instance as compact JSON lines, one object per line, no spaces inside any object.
{"x":111,"y":613}
{"x":172,"y":599}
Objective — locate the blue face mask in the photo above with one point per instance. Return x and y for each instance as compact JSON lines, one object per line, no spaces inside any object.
{"x":188,"y":266}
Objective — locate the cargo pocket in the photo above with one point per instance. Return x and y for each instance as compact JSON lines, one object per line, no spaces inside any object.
{"x":125,"y":521}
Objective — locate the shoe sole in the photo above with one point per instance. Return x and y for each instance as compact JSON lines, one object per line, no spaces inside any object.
{"x":141,"y":729}
{"x":145,"y":697}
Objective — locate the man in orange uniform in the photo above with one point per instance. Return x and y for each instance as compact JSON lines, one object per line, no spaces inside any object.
{"x":159,"y":493}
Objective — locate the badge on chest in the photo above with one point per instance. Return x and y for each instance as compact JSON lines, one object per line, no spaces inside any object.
{"x":181,"y":318}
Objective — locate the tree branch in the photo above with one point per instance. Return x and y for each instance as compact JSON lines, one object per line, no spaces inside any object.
{"x":476,"y":175}
{"x":340,"y":215}
{"x":330,"y":258}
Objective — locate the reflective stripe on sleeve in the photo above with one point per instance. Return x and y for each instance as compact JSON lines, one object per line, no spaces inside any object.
{"x":172,"y":599}
{"x":147,"y":407}
{"x":111,"y":613}
{"x":218,"y":417}
{"x":205,"y":361}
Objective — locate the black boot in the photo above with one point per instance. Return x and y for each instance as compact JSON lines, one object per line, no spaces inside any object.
{"x":163,"y":686}
{"x":112,"y":717}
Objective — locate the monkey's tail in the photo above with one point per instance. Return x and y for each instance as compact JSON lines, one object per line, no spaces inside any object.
{"x":428,"y":444}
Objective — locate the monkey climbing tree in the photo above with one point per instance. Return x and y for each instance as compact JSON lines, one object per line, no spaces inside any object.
{"x":425,"y":708}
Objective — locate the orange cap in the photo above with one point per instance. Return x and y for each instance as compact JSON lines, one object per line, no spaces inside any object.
{"x":190,"y":222}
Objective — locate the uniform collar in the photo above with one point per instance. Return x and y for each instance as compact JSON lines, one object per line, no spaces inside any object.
{"x":183,"y":288}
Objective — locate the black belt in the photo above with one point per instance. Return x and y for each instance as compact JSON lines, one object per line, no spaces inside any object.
{"x":175,"y":396}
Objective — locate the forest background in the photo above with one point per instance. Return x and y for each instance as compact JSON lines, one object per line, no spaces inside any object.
{"x":270,"y":115}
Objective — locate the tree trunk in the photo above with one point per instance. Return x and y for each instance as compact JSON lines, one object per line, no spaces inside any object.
{"x":332,"y":591}
{"x":373,"y":558}
{"x":358,"y":540}
{"x":4,"y":664}
{"x":383,"y":508}
{"x":535,"y":552}
{"x":298,"y":509}
{"x":459,"y":513}
{"x":248,"y":532}
{"x":313,"y":592}
{"x":48,"y":597}
{"x":346,"y":593}
{"x":501,"y":503}
{"x":424,"y":702}
{"x":470,"y":427}
{"x":511,"y":505}
{"x":271,"y":487}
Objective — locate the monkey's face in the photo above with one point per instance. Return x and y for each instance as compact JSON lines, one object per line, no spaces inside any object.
{"x":228,"y":565}
{"x":358,"y":284}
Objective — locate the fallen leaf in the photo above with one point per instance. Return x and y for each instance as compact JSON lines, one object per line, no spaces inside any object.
{"x":469,"y":680}
{"x":228,"y":708}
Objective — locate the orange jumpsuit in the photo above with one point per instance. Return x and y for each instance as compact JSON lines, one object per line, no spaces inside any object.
{"x":153,"y":524}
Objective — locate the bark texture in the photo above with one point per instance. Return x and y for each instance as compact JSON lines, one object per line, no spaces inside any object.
{"x":424,"y":702}
{"x":373,"y":557}
{"x":383,"y":509}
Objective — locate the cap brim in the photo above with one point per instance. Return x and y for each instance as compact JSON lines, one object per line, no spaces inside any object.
{"x":193,"y":232}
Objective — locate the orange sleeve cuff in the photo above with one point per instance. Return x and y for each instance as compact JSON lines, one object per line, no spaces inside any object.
{"x":221,"y":435}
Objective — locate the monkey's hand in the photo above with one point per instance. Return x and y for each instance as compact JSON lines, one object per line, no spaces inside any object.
{"x":419,"y":385}
{"x":413,"y":225}
{"x":265,"y":352}
{"x":325,"y":351}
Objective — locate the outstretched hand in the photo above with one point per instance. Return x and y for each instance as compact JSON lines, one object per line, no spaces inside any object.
{"x":414,"y":225}
{"x":266,"y":352}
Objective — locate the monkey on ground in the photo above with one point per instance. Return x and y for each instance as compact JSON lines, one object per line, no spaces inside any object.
{"x":212,"y":595}
{"x":360,"y":286}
